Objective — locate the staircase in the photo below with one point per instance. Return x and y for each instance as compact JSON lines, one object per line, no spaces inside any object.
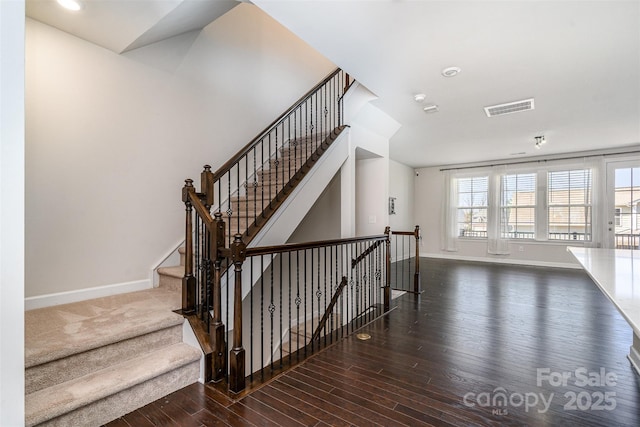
{"x":300,"y":335}
{"x":90,"y":362}
{"x":260,"y":194}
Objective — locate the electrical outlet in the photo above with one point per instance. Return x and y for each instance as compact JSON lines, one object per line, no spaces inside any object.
{"x":521,"y":248}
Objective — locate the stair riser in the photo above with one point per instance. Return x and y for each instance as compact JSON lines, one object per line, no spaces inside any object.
{"x":274,"y":175}
{"x":169,"y":282}
{"x":250,"y":206}
{"x":289,"y":163}
{"x":58,"y":371}
{"x":114,"y":406}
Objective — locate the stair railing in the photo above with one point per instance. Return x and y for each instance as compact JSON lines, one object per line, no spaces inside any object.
{"x":246,"y":191}
{"x":306,"y":296}
{"x":329,"y":311}
{"x":338,"y":292}
{"x":295,"y":291}
{"x":251,"y":185}
{"x":405,"y":260}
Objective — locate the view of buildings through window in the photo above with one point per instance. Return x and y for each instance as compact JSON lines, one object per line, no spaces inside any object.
{"x":518,"y":206}
{"x":569,"y":205}
{"x":472,"y":206}
{"x":627,"y":207}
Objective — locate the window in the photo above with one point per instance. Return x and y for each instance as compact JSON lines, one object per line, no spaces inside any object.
{"x":472,"y":206}
{"x":569,"y":212}
{"x":617,"y":217}
{"x":540,"y":204}
{"x":518,"y":206}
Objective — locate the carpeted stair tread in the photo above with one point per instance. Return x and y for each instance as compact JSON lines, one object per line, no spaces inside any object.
{"x":54,"y":401}
{"x":77,"y":365}
{"x":176,"y":271}
{"x":55,"y":332}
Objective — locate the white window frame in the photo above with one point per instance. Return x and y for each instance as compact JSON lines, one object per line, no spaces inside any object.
{"x":589,"y":205}
{"x":541,"y":226}
{"x":504,"y":206}
{"x":458,"y":207}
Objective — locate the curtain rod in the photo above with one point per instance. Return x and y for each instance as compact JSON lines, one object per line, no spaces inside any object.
{"x":539,"y":161}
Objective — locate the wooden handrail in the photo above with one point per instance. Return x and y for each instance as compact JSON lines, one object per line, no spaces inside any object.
{"x":202,"y":211}
{"x":364,"y":254}
{"x":403,"y":233}
{"x":329,"y":309}
{"x":247,"y":148}
{"x":265,"y":250}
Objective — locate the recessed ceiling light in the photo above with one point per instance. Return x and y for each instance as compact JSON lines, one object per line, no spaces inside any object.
{"x":451,"y":71}
{"x":419,"y":97}
{"x":74,"y":5}
{"x":431,"y":108}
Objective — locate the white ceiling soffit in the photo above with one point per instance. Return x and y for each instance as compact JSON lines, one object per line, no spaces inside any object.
{"x":121,"y":25}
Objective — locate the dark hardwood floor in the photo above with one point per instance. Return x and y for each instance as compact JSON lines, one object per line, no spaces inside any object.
{"x":477,"y":334}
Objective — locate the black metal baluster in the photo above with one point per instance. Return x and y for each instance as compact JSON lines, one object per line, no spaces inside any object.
{"x":290,"y":287}
{"x":298,"y":302}
{"x":198,"y":258}
{"x":305,"y":301}
{"x":264,"y":182}
{"x":262,"y":314}
{"x":272,"y":309}
{"x":251,"y":321}
{"x":229,"y":211}
{"x":409,"y":264}
{"x":237,"y":166}
{"x":324,"y":276}
{"x":281,"y":305}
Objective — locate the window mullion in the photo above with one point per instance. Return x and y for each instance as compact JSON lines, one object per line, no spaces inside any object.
{"x":542,"y":204}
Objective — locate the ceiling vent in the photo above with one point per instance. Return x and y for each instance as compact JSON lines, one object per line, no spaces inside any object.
{"x":510,"y":107}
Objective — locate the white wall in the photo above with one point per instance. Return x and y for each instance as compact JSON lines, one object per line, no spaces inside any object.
{"x":371,"y":190}
{"x":401,"y":186}
{"x":12,"y":213}
{"x":322,"y":222}
{"x":111,"y":138}
{"x":429,"y":187}
{"x":367,"y":172}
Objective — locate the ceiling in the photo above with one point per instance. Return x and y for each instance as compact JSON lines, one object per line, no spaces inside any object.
{"x":578,"y":60}
{"x":122,"y":25}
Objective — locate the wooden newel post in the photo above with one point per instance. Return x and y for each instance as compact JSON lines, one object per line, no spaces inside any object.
{"x":416,"y":276}
{"x":237,"y":356}
{"x":387,"y":285}
{"x":188,"y":281}
{"x":207,"y":184}
{"x":216,"y":332}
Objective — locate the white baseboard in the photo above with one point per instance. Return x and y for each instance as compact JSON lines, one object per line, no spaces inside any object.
{"x":49,"y":300}
{"x":504,"y":261}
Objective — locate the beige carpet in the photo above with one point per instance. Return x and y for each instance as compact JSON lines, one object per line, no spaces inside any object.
{"x":92,"y":361}
{"x":55,"y":332}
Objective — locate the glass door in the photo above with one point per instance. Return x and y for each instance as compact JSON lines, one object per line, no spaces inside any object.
{"x":623,"y":210}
